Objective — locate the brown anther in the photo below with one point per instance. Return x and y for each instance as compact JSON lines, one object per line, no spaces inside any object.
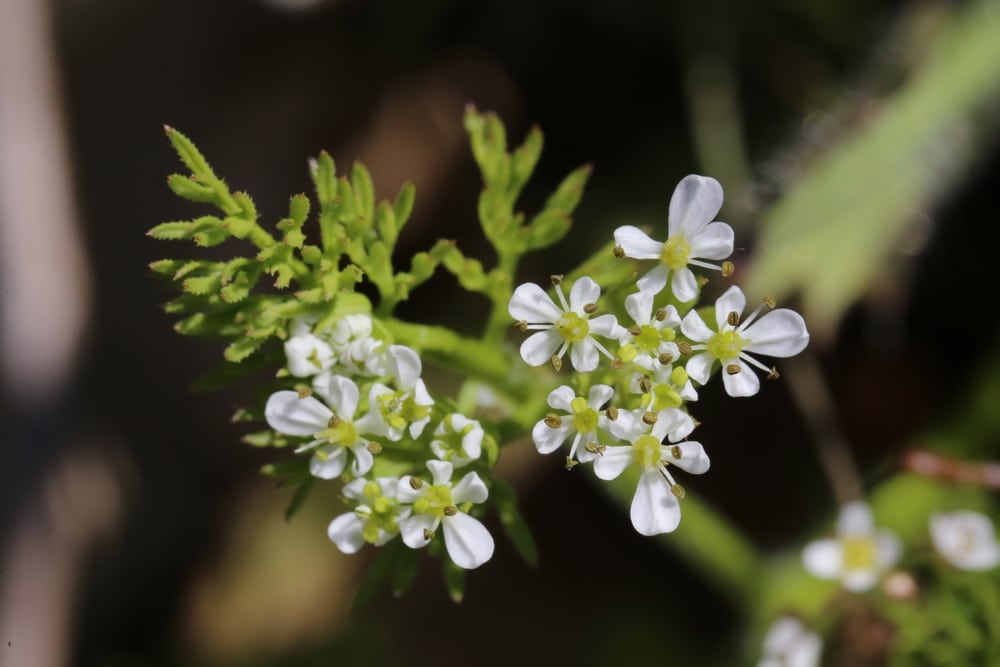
{"x":590,"y":308}
{"x":334,"y":422}
{"x":675,"y":451}
{"x":612,"y":413}
{"x":665,"y":358}
{"x":556,"y":362}
{"x":521,"y":326}
{"x":677,"y":490}
{"x":450,"y":510}
{"x":428,"y":534}
{"x":303,"y":391}
{"x":684,"y":347}
{"x":645,"y":384}
{"x":595,"y":448}
{"x":617,"y":363}
{"x":619,"y":251}
{"x":661,"y":314}
{"x":570,"y":463}
{"x":635,"y":330}
{"x":696,"y":423}
{"x":556,"y":279}
{"x":733,"y":369}
{"x":774,"y":374}
{"x":733,"y":318}
{"x":416,"y":483}
{"x":649,"y":418}
{"x":727,"y":269}
{"x":374,"y":447}
{"x":552,"y":420}
{"x":769,"y":302}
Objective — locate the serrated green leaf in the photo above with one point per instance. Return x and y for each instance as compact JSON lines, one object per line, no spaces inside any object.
{"x":403,"y":207}
{"x":248,"y":210}
{"x":189,"y":154}
{"x":171,"y":231}
{"x":238,"y":227}
{"x":242,"y":348}
{"x":514,"y":525}
{"x":385,"y":223}
{"x":523,"y":161}
{"x":324,"y":175}
{"x":166,"y":267}
{"x":364,"y":191}
{"x":202,"y":284}
{"x":298,"y":209}
{"x":546,"y":228}
{"x":569,"y":192}
{"x":182,"y":186}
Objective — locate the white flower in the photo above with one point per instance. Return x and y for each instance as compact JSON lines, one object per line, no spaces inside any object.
{"x":375,"y":519}
{"x":333,"y":431}
{"x":966,"y":539}
{"x":655,"y":507}
{"x":789,"y":644}
{"x":649,"y":343}
{"x":458,"y":439}
{"x":581,"y":422}
{"x":356,"y":350}
{"x":779,"y":333}
{"x":859,"y":555}
{"x":409,"y":405}
{"x":559,"y":328}
{"x":468,"y":542}
{"x":691,"y":238}
{"x":306,"y":353}
{"x":665,"y":387}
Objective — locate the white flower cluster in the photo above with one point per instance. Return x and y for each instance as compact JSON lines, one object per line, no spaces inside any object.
{"x":650,"y":425}
{"x":343,"y":424}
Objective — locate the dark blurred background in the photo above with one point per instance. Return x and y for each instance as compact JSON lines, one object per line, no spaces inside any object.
{"x":136,"y":528}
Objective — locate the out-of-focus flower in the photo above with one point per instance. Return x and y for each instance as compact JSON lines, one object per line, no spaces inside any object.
{"x":375,"y":519}
{"x":859,"y":555}
{"x":965,"y":539}
{"x":788,"y":643}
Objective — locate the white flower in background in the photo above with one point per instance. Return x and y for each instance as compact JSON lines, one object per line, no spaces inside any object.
{"x":374,"y":520}
{"x":409,"y":405}
{"x":581,"y":421}
{"x":333,"y":430}
{"x":306,"y":353}
{"x":655,"y":507}
{"x":649,"y":343}
{"x":458,"y":439}
{"x":789,"y":644}
{"x":965,"y":539}
{"x":356,"y":349}
{"x":691,"y":238}
{"x":561,"y":327}
{"x":468,"y":542}
{"x":779,"y":333}
{"x":859,"y":554}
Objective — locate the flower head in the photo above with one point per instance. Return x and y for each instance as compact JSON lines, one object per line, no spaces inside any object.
{"x":560,"y":327}
{"x":375,"y":518}
{"x":779,"y":333}
{"x":408,"y":406}
{"x":458,"y":439}
{"x":468,"y":542}
{"x":789,"y":644}
{"x":859,"y":555}
{"x":691,"y":238}
{"x":655,"y":507}
{"x":306,"y":353}
{"x":649,"y":343}
{"x":966,"y":539}
{"x":580,"y":421}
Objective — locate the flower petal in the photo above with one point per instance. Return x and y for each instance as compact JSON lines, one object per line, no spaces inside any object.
{"x":855,"y":518}
{"x":599,"y":395}
{"x":328,"y":462}
{"x":654,"y":281}
{"x":732,"y":300}
{"x":654,"y":509}
{"x":639,"y":306}
{"x":414,"y":529}
{"x":888,"y":548}
{"x":355,"y":488}
{"x":531,"y":304}
{"x":470,"y":489}
{"x":614,"y":462}
{"x":584,"y":291}
{"x":637,"y":244}
{"x":606,"y":325}
{"x":346,"y":532}
{"x":715,"y":241}
{"x":693,"y":457}
{"x":468,"y":542}
{"x":562,"y":397}
{"x":363,"y":459}
{"x":823,"y":558}
{"x":307,"y":355}
{"x":699,"y":367}
{"x":744,"y":383}
{"x":780,"y":333}
{"x":684,"y":285}
{"x":286,"y":413}
{"x":405,"y":492}
{"x":340,"y":392}
{"x":404,"y":364}
{"x":584,"y":355}
{"x":695,"y":202}
{"x":547,"y":439}
{"x":859,"y":581}
{"x":695,"y":328}
{"x":441,"y":471}
{"x":539,"y":347}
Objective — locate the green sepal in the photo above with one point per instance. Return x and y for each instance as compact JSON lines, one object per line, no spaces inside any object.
{"x":385,"y":223}
{"x":454,"y":580}
{"x":546,"y":228}
{"x":265,"y":439}
{"x":189,"y":189}
{"x":405,"y":571}
{"x":364,"y":191}
{"x":404,"y":204}
{"x":242,"y":348}
{"x":170,"y":231}
{"x":514,"y":525}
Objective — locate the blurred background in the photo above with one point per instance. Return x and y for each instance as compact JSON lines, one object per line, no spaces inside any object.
{"x":855,"y":140}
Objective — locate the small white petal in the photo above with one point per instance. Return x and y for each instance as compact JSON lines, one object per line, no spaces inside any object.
{"x":780,"y":333}
{"x":629,"y":425}
{"x":599,"y":395}
{"x":715,"y":241}
{"x":675,"y":422}
{"x":531,"y":304}
{"x":538,"y":348}
{"x":966,"y":539}
{"x":823,"y":558}
{"x":695,"y":202}
{"x":355,"y":489}
{"x":695,"y":328}
{"x":655,"y":280}
{"x":584,"y":291}
{"x":417,"y":427}
{"x":286,"y":413}
{"x":654,"y":509}
{"x":699,"y":367}
{"x":468,"y":542}
{"x":404,"y":365}
{"x":472,"y":442}
{"x":684,"y":285}
{"x":855,"y":518}
{"x":548,"y":440}
{"x":888,"y":549}
{"x":744,"y":383}
{"x":441,"y":471}
{"x":470,"y":489}
{"x":340,"y":392}
{"x":307,"y":355}
{"x":636,"y":244}
{"x":330,"y":465}
{"x":614,"y":461}
{"x":732,"y":300}
{"x":363,"y":459}
{"x":561,"y":398}
{"x":413,"y":529}
{"x":639,"y":306}
{"x":606,"y":325}
{"x":420,"y":394}
{"x":859,"y":581}
{"x":346,"y":532}
{"x":693,"y":457}
{"x":584,"y":355}
{"x":405,"y":493}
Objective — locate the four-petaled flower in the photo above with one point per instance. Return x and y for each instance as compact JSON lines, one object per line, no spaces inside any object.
{"x":468,"y":542}
{"x":409,"y":405}
{"x":561,"y":327}
{"x":649,"y":343}
{"x":375,"y":519}
{"x":965,"y":539}
{"x":779,"y":333}
{"x":691,"y":238}
{"x":581,"y":422}
{"x":655,"y":507}
{"x":458,"y":439}
{"x":859,"y":555}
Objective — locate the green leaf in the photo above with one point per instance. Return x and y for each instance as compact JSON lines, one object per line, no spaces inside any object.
{"x":190,"y":189}
{"x":189,"y":154}
{"x":546,"y":228}
{"x":514,"y":525}
{"x":324,"y":175}
{"x":364,"y":191}
{"x":404,"y":204}
{"x":523,"y":162}
{"x":170,"y":231}
{"x":385,"y":223}
{"x":166,"y":267}
{"x":298,"y":209}
{"x":242,"y":348}
{"x":569,"y":192}
{"x":264,"y":438}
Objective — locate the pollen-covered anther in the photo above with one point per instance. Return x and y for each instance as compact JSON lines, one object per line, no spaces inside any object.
{"x":552,"y":420}
{"x":727,"y":269}
{"x":678,"y":491}
{"x":645,"y":384}
{"x":416,"y":483}
{"x":428,"y":534}
{"x":450,"y":510}
{"x":595,"y":448}
{"x":521,"y":326}
{"x":557,"y":278}
{"x":769,"y":302}
{"x":665,"y":358}
{"x":617,"y":363}
{"x":774,"y":374}
{"x":571,"y":463}
{"x":556,"y":362}
{"x":612,"y":413}
{"x":676,"y":452}
{"x":733,"y":318}
{"x":661,"y":315}
{"x":590,"y":308}
{"x":733,"y":369}
{"x":649,"y":418}
{"x":684,"y":347}
{"x":374,"y":447}
{"x":635,"y":330}
{"x":303,"y":391}
{"x":334,"y":422}
{"x":619,"y":252}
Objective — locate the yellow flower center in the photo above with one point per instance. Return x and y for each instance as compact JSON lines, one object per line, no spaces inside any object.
{"x":434,"y":501}
{"x":647,"y":452}
{"x":342,"y":433}
{"x":572,"y":327}
{"x":859,"y":553}
{"x":379,"y":515}
{"x":675,"y":253}
{"x":584,"y":416}
{"x":726,"y":345}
